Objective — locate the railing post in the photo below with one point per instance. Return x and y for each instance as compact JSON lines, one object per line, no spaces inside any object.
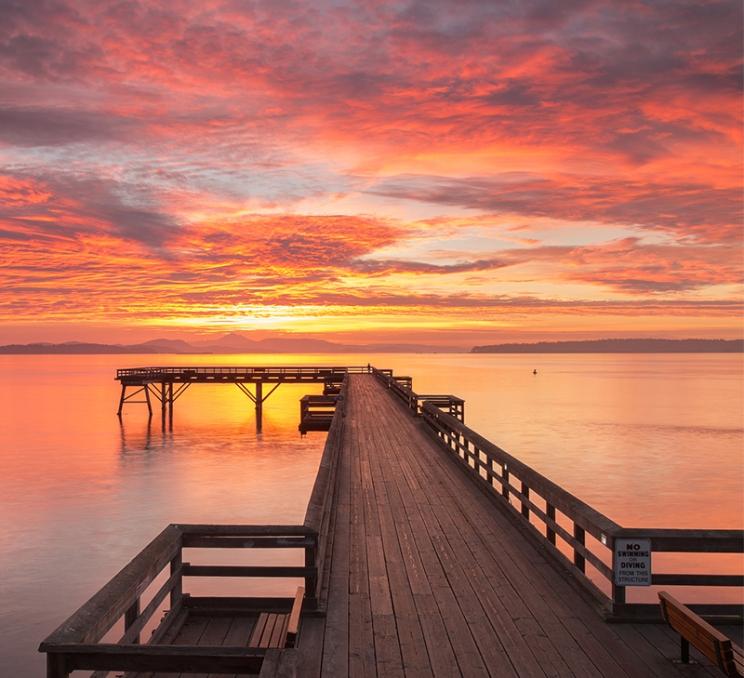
{"x":525,"y":506}
{"x":311,"y":578}
{"x":56,"y":665}
{"x":549,"y":532}
{"x":505,"y":486}
{"x":130,"y":616}
{"x":618,"y":592}
{"x":177,"y":591}
{"x":579,"y":535}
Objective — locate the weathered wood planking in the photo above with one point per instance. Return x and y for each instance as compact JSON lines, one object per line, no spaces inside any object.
{"x":429,"y":578}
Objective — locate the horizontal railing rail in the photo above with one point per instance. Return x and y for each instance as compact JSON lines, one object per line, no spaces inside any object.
{"x":543,"y":506}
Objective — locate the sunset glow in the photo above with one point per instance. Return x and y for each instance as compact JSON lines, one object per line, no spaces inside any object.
{"x":412,"y":171}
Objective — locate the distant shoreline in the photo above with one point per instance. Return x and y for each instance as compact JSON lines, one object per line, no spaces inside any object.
{"x":620,"y":346}
{"x":164,"y":347}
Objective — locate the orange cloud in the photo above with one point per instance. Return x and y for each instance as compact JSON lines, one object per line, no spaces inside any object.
{"x":363,"y":163}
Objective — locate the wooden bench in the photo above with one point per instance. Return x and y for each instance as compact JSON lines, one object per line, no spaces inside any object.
{"x":709,"y":641}
{"x":278,"y":630}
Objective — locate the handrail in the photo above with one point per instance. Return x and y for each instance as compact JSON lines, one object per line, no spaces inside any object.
{"x":594,"y":522}
{"x":322,"y":370}
{"x":493,"y":469}
{"x":323,"y":495}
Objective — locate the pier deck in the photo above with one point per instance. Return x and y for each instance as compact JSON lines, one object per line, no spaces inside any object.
{"x":429,"y":578}
{"x":426,"y":550}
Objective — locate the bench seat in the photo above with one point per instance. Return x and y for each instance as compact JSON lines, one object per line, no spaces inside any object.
{"x":278,"y":630}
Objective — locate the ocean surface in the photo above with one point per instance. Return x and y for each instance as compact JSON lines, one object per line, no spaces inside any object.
{"x":649,"y":440}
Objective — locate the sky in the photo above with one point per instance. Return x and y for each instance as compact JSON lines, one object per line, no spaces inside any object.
{"x":425,"y":171}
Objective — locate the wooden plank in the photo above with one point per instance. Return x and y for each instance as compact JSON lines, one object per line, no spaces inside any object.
{"x":310,"y":647}
{"x":190,"y":570}
{"x":214,"y":633}
{"x":189,"y":659}
{"x":361,"y":642}
{"x":293,"y":621}
{"x":238,"y":632}
{"x":399,"y":644}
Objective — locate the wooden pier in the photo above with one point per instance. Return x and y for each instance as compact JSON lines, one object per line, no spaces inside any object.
{"x":167,"y":384}
{"x":426,"y":550}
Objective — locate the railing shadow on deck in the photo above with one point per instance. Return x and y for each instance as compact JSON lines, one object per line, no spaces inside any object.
{"x":540,"y":505}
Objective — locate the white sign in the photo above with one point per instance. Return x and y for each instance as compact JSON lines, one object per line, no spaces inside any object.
{"x":632,"y":562}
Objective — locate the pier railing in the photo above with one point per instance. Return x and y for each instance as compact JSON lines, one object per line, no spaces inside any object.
{"x":401,"y":387}
{"x":76,"y":644}
{"x":578,"y":536}
{"x":238,"y":372}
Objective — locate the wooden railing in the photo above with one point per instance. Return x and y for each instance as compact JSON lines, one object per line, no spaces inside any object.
{"x":319,"y":514}
{"x":401,"y":387}
{"x":574,"y":533}
{"x":195,"y":372}
{"x":76,"y":643}
{"x":317,"y":411}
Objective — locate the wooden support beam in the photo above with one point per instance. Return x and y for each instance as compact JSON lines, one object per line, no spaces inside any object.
{"x":259,"y":406}
{"x":122,"y":398}
{"x":147,"y":399}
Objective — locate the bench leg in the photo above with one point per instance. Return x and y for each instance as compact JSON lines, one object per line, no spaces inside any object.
{"x":684,"y":650}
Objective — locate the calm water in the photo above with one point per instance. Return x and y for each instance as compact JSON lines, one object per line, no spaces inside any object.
{"x":648,"y":440}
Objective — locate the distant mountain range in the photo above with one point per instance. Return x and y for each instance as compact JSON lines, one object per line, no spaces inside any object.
{"x":237,"y":343}
{"x":620,"y":346}
{"x":229,"y":343}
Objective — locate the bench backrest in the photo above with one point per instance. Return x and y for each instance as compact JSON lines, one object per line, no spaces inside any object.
{"x":699,"y":633}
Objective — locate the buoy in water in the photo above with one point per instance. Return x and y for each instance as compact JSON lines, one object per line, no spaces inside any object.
{"x":534,"y":371}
